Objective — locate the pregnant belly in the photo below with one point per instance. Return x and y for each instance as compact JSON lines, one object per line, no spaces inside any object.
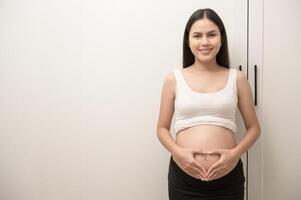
{"x":206,"y":137}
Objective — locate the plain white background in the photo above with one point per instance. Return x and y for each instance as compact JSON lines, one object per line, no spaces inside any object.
{"x":80,"y":93}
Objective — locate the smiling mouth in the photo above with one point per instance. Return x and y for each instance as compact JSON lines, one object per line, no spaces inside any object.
{"x":205,"y":51}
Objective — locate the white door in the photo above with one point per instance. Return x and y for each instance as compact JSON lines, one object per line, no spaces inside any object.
{"x":275,"y":47}
{"x":280,"y":100}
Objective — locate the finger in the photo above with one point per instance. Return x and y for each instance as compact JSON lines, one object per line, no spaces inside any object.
{"x":214,"y":151}
{"x":192,"y":170}
{"x":191,"y":173}
{"x":200,"y":151}
{"x":218,"y":170}
{"x":198,"y":171}
{"x":214,"y":176}
{"x":195,"y":173}
{"x":219,"y":174}
{"x":200,"y":167}
{"x":210,"y":175}
{"x":211,"y":168}
{"x":187,"y":169}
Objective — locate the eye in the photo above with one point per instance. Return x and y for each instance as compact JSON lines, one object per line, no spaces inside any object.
{"x":212,"y":35}
{"x":196,"y":36}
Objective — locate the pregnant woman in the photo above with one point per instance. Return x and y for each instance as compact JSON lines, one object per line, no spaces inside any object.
{"x":205,"y":159}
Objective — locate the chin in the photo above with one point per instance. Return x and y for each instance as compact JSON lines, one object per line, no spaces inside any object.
{"x":206,"y":60}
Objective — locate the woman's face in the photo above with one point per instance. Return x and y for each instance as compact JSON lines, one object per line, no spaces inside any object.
{"x":204,"y":40}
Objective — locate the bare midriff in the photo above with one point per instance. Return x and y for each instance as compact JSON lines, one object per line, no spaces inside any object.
{"x":206,"y":137}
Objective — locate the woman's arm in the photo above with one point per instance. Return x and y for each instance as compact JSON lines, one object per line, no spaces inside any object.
{"x":247,"y":110}
{"x":166,"y":113}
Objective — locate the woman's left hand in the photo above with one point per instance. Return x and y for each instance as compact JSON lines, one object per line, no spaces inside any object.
{"x":227,"y":161}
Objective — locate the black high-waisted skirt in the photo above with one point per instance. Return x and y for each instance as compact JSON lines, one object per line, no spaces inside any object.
{"x":182,"y":186}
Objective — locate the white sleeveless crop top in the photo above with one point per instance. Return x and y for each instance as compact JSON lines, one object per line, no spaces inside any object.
{"x":217,"y":108}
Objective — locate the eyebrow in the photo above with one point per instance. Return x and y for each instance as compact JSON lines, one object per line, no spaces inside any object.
{"x":207,"y":32}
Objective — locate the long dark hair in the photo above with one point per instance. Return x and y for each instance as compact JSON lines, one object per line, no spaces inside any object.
{"x":222,"y":58}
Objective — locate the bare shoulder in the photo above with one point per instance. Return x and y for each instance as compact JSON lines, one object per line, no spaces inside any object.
{"x":167,"y":101}
{"x":241,"y":78}
{"x":243,"y":86}
{"x":240,"y":75}
{"x":170,"y":76}
{"x":170,"y":81}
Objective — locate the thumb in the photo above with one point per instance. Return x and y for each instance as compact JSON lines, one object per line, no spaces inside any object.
{"x":200,"y":151}
{"x":214,"y":151}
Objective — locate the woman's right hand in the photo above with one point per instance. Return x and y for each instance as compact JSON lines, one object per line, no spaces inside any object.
{"x":184,"y":157}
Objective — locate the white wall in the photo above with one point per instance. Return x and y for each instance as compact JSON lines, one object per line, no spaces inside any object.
{"x":80,"y":85}
{"x":40,"y":100}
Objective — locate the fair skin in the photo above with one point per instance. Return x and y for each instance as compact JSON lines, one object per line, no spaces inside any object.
{"x":204,"y":34}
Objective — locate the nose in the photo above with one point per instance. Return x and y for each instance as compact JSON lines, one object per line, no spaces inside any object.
{"x":204,"y":41}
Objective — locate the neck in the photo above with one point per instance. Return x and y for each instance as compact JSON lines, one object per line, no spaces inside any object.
{"x":205,"y":66}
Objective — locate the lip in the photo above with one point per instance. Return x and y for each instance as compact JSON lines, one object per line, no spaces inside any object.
{"x":205,"y":51}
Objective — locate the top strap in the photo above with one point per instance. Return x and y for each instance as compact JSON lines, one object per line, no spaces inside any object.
{"x":233,"y":79}
{"x":178,"y":78}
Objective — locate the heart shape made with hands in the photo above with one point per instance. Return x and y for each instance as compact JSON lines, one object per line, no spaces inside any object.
{"x":206,"y":159}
